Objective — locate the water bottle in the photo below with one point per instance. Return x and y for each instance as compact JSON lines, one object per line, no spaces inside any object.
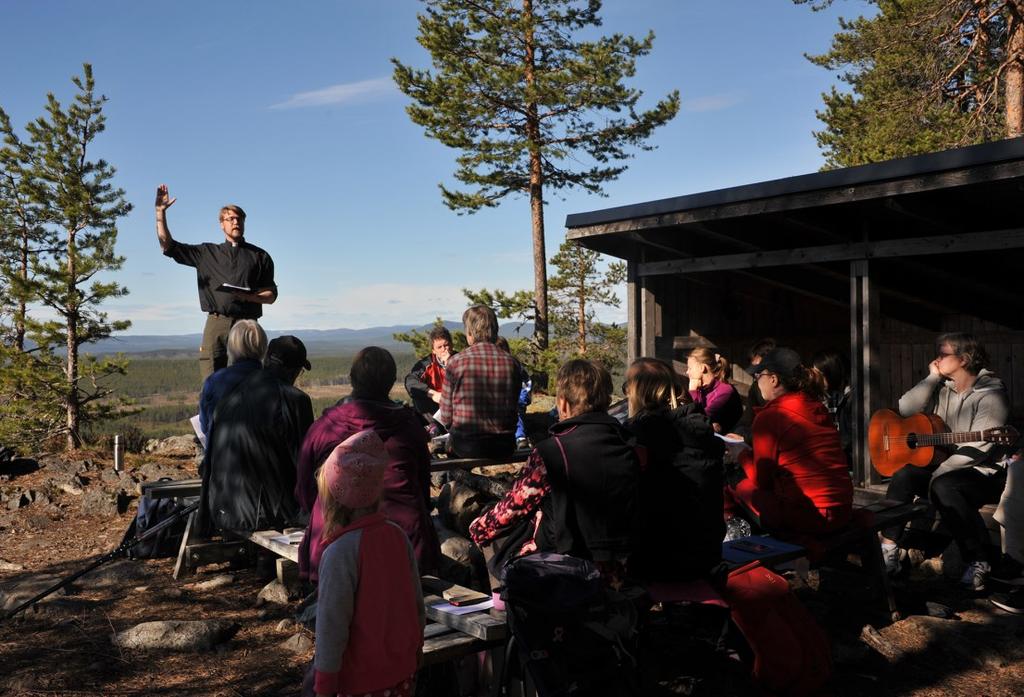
{"x":118,"y":454}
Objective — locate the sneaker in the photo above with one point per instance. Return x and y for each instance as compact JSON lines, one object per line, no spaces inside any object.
{"x":891,"y":556}
{"x":975,"y":575}
{"x":1008,"y":571}
{"x":735,"y":528}
{"x":1011,"y":602}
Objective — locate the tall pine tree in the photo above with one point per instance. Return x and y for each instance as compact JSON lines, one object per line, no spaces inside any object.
{"x":525,"y":101}
{"x":79,"y":207}
{"x":923,"y":75}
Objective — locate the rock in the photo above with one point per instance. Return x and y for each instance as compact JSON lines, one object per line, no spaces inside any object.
{"x":461,"y":560}
{"x":274,"y":593}
{"x":459,"y":505}
{"x":118,"y":573}
{"x":111,"y":477}
{"x":219,"y":581}
{"x":297,"y":644}
{"x":152,"y":471}
{"x":27,"y":588}
{"x":285,"y":625}
{"x":70,"y":487}
{"x":9,"y":566}
{"x":175,"y":446}
{"x":99,"y":502}
{"x":18,"y":500}
{"x":176,"y":635}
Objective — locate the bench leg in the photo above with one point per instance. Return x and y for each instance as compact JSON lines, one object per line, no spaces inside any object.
{"x":182,"y":566}
{"x":874,"y":564}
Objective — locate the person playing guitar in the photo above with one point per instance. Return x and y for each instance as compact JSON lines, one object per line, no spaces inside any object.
{"x":967,"y":396}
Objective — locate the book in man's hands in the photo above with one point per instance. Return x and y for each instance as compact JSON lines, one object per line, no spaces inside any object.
{"x":232,"y":288}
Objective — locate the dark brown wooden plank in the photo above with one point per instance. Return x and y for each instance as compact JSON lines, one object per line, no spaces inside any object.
{"x":912,"y":246}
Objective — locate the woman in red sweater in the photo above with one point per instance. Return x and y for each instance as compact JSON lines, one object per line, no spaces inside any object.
{"x":796,"y":484}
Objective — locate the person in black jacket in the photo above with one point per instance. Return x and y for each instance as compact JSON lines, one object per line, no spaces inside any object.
{"x":249,"y":469}
{"x":577,"y":494}
{"x":426,"y":379}
{"x":680,"y":525}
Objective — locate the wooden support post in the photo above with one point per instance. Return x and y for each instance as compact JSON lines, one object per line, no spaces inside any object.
{"x":649,"y":311}
{"x":864,"y":369}
{"x":633,"y":315}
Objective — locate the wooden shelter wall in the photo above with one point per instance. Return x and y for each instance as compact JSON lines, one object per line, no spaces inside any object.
{"x":732,"y":311}
{"x":906,"y":351}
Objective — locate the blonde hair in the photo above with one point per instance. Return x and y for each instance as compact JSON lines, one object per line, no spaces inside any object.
{"x":651,"y":384}
{"x":336,"y":516}
{"x":716,"y":362}
{"x":237,"y":210}
{"x":246,"y":340}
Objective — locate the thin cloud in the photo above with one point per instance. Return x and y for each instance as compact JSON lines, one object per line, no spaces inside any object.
{"x":345,"y":93}
{"x":711,"y":102}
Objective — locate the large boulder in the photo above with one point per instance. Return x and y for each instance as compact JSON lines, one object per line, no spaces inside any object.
{"x":458,"y":505}
{"x":176,"y":635}
{"x":26,"y":588}
{"x":175,"y":446}
{"x":461,"y":560}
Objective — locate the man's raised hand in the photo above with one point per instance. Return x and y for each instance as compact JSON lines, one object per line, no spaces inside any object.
{"x":163,"y":198}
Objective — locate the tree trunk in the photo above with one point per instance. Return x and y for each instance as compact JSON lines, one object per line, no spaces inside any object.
{"x":581,"y":319}
{"x":19,"y":319}
{"x":1015,"y":74}
{"x":540,"y":270}
{"x":71,"y":399}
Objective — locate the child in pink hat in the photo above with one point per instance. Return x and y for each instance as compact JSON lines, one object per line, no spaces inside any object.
{"x":370,"y":618}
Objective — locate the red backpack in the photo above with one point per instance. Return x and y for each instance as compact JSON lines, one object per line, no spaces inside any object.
{"x":792,"y":655}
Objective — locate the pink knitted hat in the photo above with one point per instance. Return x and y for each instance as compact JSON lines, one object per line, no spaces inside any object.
{"x":355,"y":470}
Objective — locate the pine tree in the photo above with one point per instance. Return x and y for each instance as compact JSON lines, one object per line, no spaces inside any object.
{"x":924,"y":75}
{"x":79,"y":206}
{"x":525,"y":101}
{"x":577,"y":287}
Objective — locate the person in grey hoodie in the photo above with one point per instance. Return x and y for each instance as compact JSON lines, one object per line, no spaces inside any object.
{"x":967,"y":397}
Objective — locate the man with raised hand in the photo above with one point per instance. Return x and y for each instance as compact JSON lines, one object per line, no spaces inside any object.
{"x":235,"y":278}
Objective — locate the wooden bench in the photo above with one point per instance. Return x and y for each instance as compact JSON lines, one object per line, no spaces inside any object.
{"x":860,"y":538}
{"x":195,"y":552}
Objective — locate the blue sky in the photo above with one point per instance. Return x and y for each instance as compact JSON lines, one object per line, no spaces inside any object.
{"x":288,"y":110}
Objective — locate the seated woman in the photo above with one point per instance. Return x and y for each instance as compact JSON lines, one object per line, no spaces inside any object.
{"x":406,"y":498}
{"x":246,"y":347}
{"x":681,"y":528}
{"x":796,"y":484}
{"x":577,"y":494}
{"x":709,"y":387}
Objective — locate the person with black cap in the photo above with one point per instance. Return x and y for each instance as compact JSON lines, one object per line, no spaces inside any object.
{"x":796,"y":481}
{"x":249,"y":469}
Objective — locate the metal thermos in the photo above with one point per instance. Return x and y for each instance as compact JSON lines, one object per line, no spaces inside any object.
{"x":118,"y":454}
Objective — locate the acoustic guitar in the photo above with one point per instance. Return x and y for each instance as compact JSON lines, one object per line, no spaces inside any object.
{"x":921,"y":440}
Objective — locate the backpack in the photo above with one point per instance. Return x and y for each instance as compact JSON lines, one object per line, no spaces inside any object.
{"x":575,"y":636}
{"x":151,"y":512}
{"x":791,"y":652}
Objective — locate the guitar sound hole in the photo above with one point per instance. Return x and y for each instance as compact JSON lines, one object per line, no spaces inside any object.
{"x":911,"y":440}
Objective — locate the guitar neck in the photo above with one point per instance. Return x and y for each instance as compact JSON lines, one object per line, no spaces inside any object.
{"x":949,"y":438}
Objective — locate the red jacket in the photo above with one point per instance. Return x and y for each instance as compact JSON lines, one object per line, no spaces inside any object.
{"x":797,"y":453}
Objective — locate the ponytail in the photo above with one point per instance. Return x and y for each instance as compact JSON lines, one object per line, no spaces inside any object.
{"x":717,"y":364}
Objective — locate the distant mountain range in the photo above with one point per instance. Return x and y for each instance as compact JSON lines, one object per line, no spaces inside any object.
{"x":318,"y":341}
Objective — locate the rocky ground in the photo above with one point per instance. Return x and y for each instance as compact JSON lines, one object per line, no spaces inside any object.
{"x":224,"y":632}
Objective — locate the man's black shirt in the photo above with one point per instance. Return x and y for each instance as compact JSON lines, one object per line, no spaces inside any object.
{"x":244,"y":265}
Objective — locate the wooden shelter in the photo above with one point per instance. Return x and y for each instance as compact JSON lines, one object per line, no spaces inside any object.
{"x":875,"y":261}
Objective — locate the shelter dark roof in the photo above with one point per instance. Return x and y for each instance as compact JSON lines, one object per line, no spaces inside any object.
{"x":949,"y":220}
